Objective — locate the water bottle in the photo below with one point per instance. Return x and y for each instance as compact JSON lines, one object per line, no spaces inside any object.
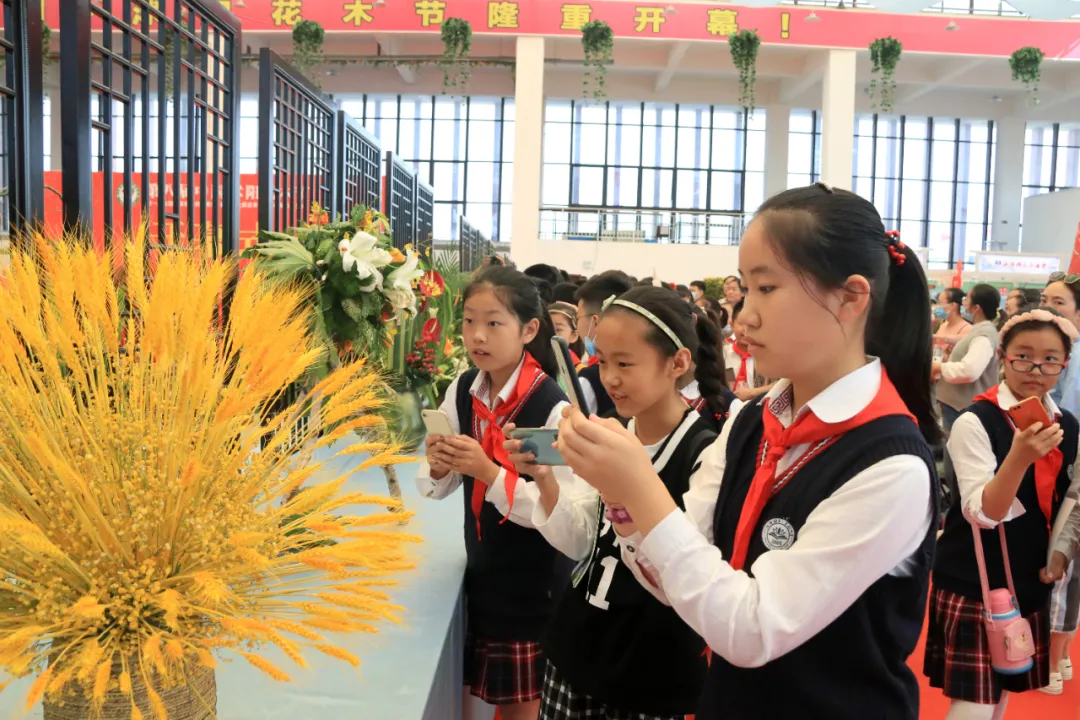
{"x":1011,"y":644}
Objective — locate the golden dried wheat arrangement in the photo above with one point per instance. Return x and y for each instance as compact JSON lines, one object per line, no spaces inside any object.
{"x":142,"y":530}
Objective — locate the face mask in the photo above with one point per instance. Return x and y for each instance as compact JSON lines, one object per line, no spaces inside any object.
{"x":939,"y":313}
{"x":696,"y":295}
{"x":967,"y":315}
{"x":590,"y":344}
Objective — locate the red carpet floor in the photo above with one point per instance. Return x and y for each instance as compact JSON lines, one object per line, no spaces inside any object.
{"x":1027,"y":706}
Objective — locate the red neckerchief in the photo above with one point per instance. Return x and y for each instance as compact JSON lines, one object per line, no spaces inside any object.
{"x":574,"y":358}
{"x":744,"y":355}
{"x":806,"y":430}
{"x":491,"y":439}
{"x":1047,"y":467}
{"x":593,"y":360}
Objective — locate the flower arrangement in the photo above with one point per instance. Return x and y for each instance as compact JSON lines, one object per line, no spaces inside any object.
{"x":744,"y":51}
{"x":884,"y":56}
{"x":1026,"y":66}
{"x":598,"y":41}
{"x":457,"y":41}
{"x":362,"y":287}
{"x":144,"y":536}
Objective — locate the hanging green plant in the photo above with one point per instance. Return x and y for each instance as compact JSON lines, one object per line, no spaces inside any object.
{"x":1026,"y":64}
{"x":308,"y":37}
{"x":599,"y":43}
{"x":46,"y":38}
{"x":744,"y":50}
{"x":884,"y":55}
{"x":457,"y":42}
{"x":168,"y":51}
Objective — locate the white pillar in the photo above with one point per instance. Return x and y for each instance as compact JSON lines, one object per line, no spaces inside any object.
{"x":838,"y":119}
{"x":777,"y":138}
{"x":528,"y":151}
{"x":1008,"y":185}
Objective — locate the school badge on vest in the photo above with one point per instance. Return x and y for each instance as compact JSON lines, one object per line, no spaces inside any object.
{"x":778,"y":534}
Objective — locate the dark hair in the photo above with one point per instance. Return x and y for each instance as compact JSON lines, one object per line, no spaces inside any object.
{"x":600,"y":287}
{"x":518,"y":293}
{"x":565,"y":275}
{"x":546,"y":290}
{"x":828,"y":235}
{"x":684,"y":292}
{"x":694,"y":330}
{"x":987,"y":298}
{"x":1074,"y":288}
{"x":719,"y":315}
{"x":544,"y":272}
{"x":736,"y":309}
{"x":1036,"y":325}
{"x":955,"y":295}
{"x":568,"y":311}
{"x":729,"y":278}
{"x":565,"y":291}
{"x":699,"y":284}
{"x":1031,"y":296}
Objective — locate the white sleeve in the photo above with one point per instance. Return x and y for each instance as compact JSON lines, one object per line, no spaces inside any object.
{"x":640,"y":566}
{"x":869,"y":527}
{"x":526,"y":494}
{"x":588,"y":396}
{"x":973,"y":364}
{"x":975,"y":465}
{"x":439,"y":489}
{"x":571,"y":527}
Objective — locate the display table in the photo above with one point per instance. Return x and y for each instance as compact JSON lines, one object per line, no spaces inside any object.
{"x":409,"y":672}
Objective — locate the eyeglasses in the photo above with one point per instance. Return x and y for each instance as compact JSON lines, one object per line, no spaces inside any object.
{"x":1050,"y":369}
{"x":1067,"y":278}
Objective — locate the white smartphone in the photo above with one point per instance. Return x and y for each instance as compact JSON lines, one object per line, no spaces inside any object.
{"x":437,"y":422}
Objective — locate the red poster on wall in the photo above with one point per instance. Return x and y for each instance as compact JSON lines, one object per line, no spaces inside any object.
{"x":920,"y":32}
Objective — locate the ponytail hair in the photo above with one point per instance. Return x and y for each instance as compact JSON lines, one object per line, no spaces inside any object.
{"x":695,"y":331}
{"x":828,"y":235}
{"x":520,"y":296}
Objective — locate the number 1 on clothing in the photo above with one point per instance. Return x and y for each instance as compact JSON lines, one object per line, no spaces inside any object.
{"x":609,"y":564}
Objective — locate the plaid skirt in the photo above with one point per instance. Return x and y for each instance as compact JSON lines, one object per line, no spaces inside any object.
{"x":562,"y":702}
{"x":1065,"y":602}
{"x":957,"y":656}
{"x":503,"y":672}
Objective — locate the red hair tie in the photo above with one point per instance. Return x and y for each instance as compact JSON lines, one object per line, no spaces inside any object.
{"x":896,"y":247}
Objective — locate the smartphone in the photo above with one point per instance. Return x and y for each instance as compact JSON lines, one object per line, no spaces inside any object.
{"x":568,"y":379}
{"x":1027,"y":412}
{"x":437,"y":422}
{"x":539,"y":441}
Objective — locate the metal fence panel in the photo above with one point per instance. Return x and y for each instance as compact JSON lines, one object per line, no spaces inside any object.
{"x":22,"y":201}
{"x":359,"y":166}
{"x":425,"y":216}
{"x":400,"y":200}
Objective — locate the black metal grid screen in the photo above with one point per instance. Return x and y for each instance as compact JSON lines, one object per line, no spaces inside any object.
{"x":152,"y":103}
{"x":425,"y":216}
{"x":21,"y":145}
{"x":400,"y":200}
{"x":472,"y":246}
{"x":296,"y":145}
{"x":359,"y":168}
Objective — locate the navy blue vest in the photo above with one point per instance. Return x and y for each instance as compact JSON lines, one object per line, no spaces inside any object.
{"x":513,"y":575}
{"x":591,"y":374}
{"x":611,"y":639}
{"x":955,"y":569}
{"x":856,"y":668}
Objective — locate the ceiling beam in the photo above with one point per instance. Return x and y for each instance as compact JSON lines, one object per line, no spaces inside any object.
{"x":813,"y":72}
{"x":388,"y":46}
{"x":946,"y":77}
{"x":678,"y":52}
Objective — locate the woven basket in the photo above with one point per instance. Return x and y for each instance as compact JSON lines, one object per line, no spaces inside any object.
{"x":195,"y":701}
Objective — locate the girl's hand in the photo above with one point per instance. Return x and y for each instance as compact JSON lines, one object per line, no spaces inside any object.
{"x":1035,"y":442}
{"x":608,"y":456}
{"x":437,"y":459}
{"x":525,"y":462}
{"x":468,"y":458}
{"x":935,"y":371}
{"x":1055,"y":570}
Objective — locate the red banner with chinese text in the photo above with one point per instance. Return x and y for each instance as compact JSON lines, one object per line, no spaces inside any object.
{"x":920,"y":32}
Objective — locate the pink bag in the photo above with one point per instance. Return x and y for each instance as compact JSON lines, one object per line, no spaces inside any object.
{"x":1010,"y":641}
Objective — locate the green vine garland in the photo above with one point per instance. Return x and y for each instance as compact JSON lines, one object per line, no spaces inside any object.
{"x":1026,"y":68}
{"x":884,"y":55}
{"x":744,"y":51}
{"x":46,"y":38}
{"x":307,"y":37}
{"x":457,"y":42}
{"x":599,"y":42}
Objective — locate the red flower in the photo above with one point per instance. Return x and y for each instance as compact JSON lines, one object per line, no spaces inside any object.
{"x":432,"y":330}
{"x":432,"y":284}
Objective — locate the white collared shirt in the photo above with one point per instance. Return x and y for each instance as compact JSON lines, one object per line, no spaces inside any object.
{"x":871,"y":526}
{"x":975,"y":464}
{"x":524,"y":498}
{"x":734,"y":362}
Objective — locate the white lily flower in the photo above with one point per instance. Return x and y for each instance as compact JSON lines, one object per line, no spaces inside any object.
{"x":408,"y":273}
{"x":402,"y":300}
{"x":363,"y":253}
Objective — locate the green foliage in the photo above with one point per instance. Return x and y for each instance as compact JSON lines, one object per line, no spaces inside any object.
{"x":598,"y":41}
{"x":1026,"y":66}
{"x":884,"y":55}
{"x":457,"y":42}
{"x":744,"y":51}
{"x":714,"y":287}
{"x":308,"y":37}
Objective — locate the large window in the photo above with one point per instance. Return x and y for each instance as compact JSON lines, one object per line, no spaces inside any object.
{"x":462,"y":147}
{"x":930,"y":178}
{"x":1051,"y":157}
{"x":653,"y":155}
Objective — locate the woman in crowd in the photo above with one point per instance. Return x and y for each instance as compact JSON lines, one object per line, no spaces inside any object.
{"x":949,"y":310}
{"x":733,"y":292}
{"x":804,"y":567}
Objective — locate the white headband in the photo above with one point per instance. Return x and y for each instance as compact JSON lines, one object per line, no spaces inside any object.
{"x":1042,"y":316}
{"x":647,"y":315}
